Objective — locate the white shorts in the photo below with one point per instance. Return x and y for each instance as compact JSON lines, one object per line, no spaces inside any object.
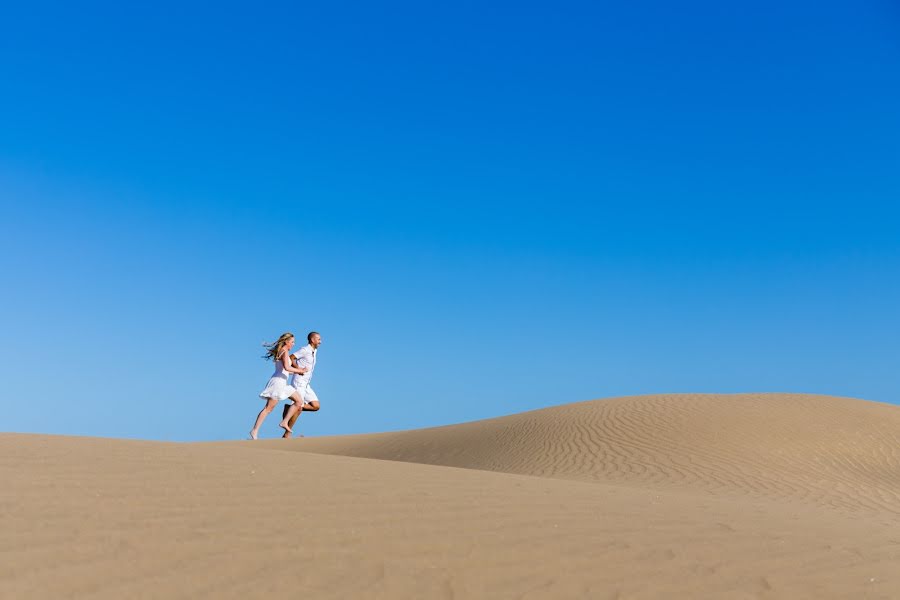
{"x":306,"y":393}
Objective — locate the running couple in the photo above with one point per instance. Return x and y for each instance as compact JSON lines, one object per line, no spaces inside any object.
{"x":299,"y":366}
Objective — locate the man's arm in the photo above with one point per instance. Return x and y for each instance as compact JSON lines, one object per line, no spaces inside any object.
{"x":304,"y":358}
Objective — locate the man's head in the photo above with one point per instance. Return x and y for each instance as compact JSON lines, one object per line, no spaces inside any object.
{"x":314,"y":339}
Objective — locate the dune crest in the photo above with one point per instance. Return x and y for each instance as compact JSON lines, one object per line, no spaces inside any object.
{"x":679,"y":496}
{"x":830,"y":451}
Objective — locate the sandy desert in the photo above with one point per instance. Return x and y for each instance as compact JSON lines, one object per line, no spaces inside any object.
{"x":665,"y":496}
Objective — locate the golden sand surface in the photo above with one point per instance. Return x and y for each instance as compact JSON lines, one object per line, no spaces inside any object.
{"x":666,"y":496}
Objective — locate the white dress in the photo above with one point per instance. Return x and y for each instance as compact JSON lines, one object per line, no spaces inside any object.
{"x":278,"y":387}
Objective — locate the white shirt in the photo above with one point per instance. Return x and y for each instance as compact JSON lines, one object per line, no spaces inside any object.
{"x":306,"y":359}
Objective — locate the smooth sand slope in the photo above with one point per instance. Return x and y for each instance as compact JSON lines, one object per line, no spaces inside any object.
{"x":822,"y":450}
{"x":682,"y":496}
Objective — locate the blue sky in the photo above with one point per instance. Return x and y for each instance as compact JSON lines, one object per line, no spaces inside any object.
{"x":484,"y":208}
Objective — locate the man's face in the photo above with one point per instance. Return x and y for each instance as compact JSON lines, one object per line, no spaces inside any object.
{"x":315,"y":340}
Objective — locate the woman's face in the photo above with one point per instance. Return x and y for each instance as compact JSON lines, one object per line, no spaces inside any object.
{"x":289,"y":343}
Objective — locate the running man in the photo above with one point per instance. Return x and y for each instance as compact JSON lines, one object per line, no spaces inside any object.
{"x":305,"y":358}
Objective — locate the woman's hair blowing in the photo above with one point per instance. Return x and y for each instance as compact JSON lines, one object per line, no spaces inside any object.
{"x":273,"y":350}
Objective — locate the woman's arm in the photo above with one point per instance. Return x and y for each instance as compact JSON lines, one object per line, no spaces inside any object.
{"x":286,"y":362}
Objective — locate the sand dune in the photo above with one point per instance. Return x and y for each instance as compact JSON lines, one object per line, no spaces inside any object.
{"x":823,"y":450}
{"x":682,"y":496}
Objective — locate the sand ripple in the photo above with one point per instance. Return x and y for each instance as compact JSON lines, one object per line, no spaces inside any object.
{"x":836,"y":452}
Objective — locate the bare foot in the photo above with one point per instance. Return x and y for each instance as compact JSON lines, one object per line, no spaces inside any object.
{"x":253,"y":434}
{"x":287,"y":435}
{"x":284,"y":425}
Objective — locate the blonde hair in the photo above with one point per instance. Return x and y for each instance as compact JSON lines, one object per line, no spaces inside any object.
{"x":274,"y":349}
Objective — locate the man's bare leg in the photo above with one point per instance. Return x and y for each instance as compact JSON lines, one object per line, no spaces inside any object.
{"x":308,"y":407}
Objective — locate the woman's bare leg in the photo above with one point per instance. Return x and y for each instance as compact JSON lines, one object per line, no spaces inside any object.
{"x":270,"y":404}
{"x":284,"y":415}
{"x":295,"y":408}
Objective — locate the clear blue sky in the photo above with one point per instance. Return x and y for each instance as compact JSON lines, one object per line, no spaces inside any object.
{"x":484,"y":208}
